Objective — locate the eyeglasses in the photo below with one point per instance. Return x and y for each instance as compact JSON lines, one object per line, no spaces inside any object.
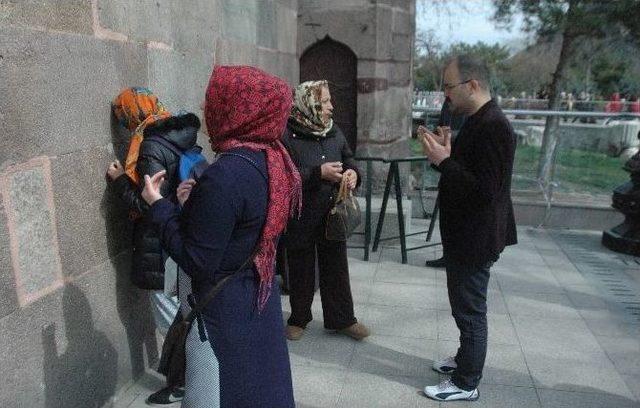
{"x":448,"y":87}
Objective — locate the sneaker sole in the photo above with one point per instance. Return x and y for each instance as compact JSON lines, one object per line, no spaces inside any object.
{"x":471,"y":398}
{"x":443,"y":371}
{"x":158,"y":404}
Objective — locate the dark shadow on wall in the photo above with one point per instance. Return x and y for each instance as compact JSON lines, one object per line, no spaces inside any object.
{"x":85,"y":375}
{"x":133,"y":305}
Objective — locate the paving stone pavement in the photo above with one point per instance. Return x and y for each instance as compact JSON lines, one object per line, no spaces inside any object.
{"x":558,"y":336}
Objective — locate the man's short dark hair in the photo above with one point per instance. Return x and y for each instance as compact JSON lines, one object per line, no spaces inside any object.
{"x":472,"y":67}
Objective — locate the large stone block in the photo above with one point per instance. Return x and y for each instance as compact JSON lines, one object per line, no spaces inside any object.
{"x":191,"y":70}
{"x":27,"y":195}
{"x":142,"y":20}
{"x":240,"y":20}
{"x":62,"y":15}
{"x":290,"y":4}
{"x":315,"y":5}
{"x":279,"y":64}
{"x":367,"y":115}
{"x":267,"y":25}
{"x":396,"y":109}
{"x":50,"y":106}
{"x":290,"y":68}
{"x":356,"y":28}
{"x":387,"y":117}
{"x":80,"y":197}
{"x":406,"y":5}
{"x":404,"y":23}
{"x":400,"y":75}
{"x":269,"y":61}
{"x":8,"y":294}
{"x":384,"y":33}
{"x":287,"y":30}
{"x":402,"y":48}
{"x":371,"y":69}
{"x":196,"y":24}
{"x":234,"y":53}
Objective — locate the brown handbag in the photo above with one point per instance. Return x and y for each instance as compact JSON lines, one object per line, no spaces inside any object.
{"x":344,"y":217}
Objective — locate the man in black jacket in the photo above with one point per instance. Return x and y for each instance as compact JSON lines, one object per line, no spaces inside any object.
{"x":476,"y":216}
{"x":448,"y":122}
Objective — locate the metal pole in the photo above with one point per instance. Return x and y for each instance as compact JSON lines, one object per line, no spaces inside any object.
{"x":403,"y":240}
{"x":367,"y":214}
{"x":383,"y":209}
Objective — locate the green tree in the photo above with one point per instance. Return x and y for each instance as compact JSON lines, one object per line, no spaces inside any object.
{"x":428,"y":61}
{"x":431,"y":58}
{"x":574,"y":21}
{"x":608,"y":74}
{"x":529,"y":70}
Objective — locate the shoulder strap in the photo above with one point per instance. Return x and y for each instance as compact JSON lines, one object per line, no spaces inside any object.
{"x":166,"y":144}
{"x":216,"y":288}
{"x":250,"y":160}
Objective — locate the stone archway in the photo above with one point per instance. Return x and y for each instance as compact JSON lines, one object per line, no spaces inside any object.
{"x":335,"y":62}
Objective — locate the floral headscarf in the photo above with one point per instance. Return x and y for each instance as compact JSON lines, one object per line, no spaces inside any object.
{"x":307,"y":108}
{"x":247,"y":107}
{"x":136,"y":108}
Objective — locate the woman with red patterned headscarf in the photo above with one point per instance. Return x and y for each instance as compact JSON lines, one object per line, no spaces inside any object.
{"x":236,"y":212}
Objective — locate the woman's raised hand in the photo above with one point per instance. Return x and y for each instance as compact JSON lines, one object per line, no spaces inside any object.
{"x":151,"y":191}
{"x":184,"y":189}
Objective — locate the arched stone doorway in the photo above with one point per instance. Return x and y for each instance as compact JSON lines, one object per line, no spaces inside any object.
{"x":335,"y":62}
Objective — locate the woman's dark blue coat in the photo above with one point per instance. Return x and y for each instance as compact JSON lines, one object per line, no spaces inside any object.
{"x":214,"y":234}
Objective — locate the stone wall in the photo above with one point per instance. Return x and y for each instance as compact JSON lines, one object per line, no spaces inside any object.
{"x":73,"y":331}
{"x":380,"y":33}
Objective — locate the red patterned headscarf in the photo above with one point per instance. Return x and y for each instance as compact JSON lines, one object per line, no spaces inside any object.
{"x":246,"y":107}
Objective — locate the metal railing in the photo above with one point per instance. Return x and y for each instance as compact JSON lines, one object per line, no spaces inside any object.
{"x":432,"y":98}
{"x":539,"y":112}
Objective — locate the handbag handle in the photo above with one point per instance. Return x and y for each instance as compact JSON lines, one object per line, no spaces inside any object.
{"x":342,"y":191}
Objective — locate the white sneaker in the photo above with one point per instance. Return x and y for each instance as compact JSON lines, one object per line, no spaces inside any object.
{"x":446,"y":366}
{"x":447,"y":391}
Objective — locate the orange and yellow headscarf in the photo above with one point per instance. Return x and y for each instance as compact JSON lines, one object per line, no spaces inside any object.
{"x":136,"y":108}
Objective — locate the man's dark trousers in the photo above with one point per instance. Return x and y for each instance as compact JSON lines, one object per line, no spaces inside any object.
{"x":467,"y":287}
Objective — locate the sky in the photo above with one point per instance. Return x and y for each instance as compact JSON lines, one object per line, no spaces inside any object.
{"x":466,"y":21}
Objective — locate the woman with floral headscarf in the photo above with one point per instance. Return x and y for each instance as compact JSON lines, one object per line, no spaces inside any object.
{"x":234,"y":214}
{"x":324,"y":158}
